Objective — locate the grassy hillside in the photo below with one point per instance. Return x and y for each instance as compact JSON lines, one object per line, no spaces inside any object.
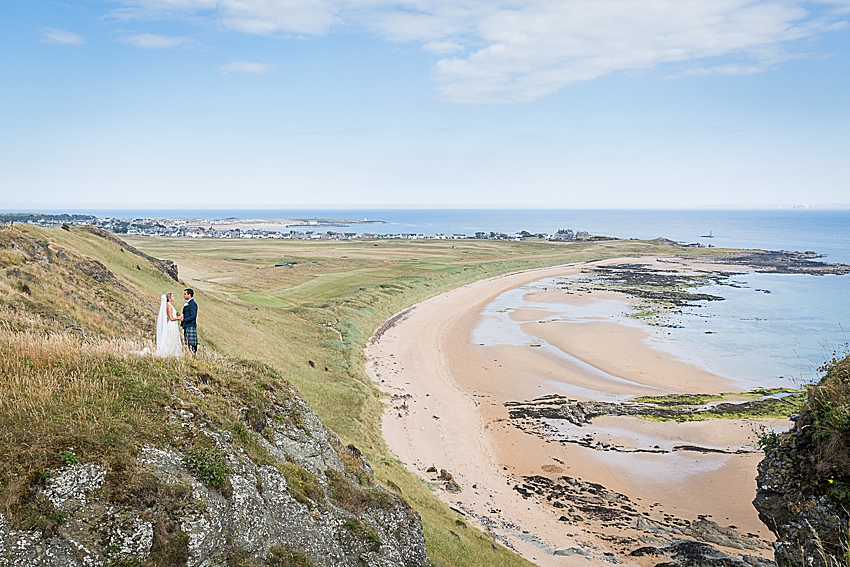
{"x":309,"y":320}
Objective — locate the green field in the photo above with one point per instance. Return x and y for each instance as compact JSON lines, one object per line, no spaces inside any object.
{"x":322,"y":309}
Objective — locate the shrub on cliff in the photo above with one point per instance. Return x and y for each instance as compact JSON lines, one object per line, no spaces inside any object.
{"x":825,"y":422}
{"x":803,"y":486}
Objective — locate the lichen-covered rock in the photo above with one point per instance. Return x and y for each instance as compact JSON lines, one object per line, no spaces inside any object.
{"x":69,"y":489}
{"x":309,"y":496}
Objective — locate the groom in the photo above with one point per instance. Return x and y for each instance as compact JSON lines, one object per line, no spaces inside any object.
{"x":189,"y":323}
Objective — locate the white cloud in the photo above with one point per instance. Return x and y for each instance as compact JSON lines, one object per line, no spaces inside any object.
{"x":61,"y":37}
{"x":246,"y":67}
{"x":153,"y":41}
{"x":522,"y":50}
{"x":442,"y":47}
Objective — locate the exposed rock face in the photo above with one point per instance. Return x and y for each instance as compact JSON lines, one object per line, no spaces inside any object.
{"x":314,"y":501}
{"x":809,"y":525}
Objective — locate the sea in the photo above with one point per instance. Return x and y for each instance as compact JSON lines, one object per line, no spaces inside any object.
{"x":778,"y":338}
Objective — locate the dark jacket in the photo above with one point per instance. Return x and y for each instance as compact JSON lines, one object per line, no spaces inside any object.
{"x":190,"y":314}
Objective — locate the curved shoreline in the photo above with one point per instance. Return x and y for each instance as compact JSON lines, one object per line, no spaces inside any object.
{"x":448,"y":411}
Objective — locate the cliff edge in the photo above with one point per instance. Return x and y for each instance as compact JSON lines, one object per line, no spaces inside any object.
{"x":803,"y":485}
{"x":113,"y":458}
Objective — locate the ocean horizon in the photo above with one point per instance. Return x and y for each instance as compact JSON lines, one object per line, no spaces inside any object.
{"x":825,"y":231}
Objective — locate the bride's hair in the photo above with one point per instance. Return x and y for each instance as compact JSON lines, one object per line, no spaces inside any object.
{"x":168,"y":296}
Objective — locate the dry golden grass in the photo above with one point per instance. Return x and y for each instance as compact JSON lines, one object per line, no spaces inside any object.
{"x":64,"y":400}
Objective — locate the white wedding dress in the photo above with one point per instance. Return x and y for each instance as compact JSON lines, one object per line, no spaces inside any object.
{"x":168,"y":340}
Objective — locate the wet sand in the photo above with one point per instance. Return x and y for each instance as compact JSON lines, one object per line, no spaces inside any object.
{"x":448,"y":412}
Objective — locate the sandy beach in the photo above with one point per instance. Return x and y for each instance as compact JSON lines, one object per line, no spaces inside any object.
{"x":637,"y":482}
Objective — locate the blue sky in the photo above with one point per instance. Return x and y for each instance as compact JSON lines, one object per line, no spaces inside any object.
{"x":424,"y":103}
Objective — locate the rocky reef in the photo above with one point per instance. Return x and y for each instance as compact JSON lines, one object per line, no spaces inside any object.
{"x":662,"y":538}
{"x":803,"y":485}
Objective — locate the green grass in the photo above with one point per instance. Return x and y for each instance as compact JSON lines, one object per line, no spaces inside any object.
{"x":279,"y":315}
{"x":755,"y":404}
{"x":825,"y":420}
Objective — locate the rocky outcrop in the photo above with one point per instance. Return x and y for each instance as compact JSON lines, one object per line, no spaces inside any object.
{"x":779,"y":262}
{"x":666,"y":539}
{"x":803,"y":485}
{"x":685,"y":553}
{"x":298,"y":498}
{"x":167,"y":267}
{"x":810,"y":525}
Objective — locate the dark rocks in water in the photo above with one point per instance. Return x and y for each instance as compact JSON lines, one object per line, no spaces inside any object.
{"x":647,"y":282}
{"x":778,"y":262}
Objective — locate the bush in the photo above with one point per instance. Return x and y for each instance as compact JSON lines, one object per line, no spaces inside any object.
{"x":303,"y":485}
{"x":364,"y":533}
{"x":352,"y":497}
{"x":825,"y":420}
{"x":207,"y":465}
{"x":285,"y":556}
{"x":767,"y":438}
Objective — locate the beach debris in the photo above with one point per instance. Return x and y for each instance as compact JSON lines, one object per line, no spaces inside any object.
{"x":445,"y":475}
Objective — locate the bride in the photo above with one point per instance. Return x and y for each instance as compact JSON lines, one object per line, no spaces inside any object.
{"x":168,"y":341}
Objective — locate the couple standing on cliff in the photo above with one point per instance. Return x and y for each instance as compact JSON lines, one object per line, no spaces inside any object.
{"x":168,"y":342}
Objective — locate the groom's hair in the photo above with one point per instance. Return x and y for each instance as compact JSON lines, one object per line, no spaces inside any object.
{"x":190,"y":291}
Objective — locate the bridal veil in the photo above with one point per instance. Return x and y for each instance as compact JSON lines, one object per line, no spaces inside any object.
{"x":161,"y":320}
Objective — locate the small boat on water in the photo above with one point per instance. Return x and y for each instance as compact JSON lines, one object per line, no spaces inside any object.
{"x":709,"y":235}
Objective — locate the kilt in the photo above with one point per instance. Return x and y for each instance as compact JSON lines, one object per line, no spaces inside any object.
{"x":190,"y":336}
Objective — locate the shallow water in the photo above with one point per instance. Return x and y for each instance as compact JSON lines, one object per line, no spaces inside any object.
{"x":756,"y":338}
